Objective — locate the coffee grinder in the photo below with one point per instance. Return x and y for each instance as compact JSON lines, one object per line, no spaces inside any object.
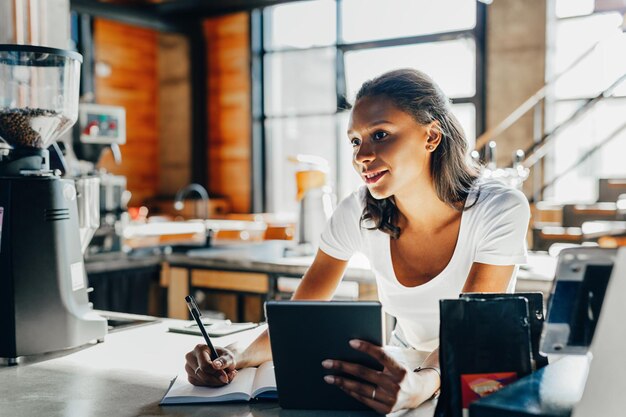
{"x":44,"y":305}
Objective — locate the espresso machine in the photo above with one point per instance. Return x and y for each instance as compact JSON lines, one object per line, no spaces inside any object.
{"x":44,"y":305}
{"x":101,"y":128}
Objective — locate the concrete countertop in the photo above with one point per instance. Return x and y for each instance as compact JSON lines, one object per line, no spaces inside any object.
{"x":127,"y":375}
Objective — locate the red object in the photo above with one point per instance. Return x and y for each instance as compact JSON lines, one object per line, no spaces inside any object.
{"x":475,"y":386}
{"x":133,"y":212}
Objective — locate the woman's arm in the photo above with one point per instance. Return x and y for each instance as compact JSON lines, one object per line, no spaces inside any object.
{"x":488,"y":278}
{"x":319,"y":283}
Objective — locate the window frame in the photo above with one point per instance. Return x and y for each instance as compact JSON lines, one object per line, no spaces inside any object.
{"x":550,"y":191}
{"x":260,"y":196}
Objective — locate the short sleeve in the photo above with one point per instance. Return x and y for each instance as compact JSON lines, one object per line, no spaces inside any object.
{"x":341,"y":237}
{"x":505,"y":221}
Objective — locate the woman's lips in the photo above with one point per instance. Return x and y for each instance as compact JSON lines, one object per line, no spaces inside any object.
{"x":371,"y":178}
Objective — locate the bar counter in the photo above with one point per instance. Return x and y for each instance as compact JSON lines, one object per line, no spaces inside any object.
{"x":127,"y":375}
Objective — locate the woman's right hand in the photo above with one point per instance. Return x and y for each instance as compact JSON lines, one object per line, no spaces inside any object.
{"x":201,"y":370}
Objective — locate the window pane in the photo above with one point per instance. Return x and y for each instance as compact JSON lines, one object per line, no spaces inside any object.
{"x":300,"y":82}
{"x":347,"y":178}
{"x":300,"y":25}
{"x":466,"y":113}
{"x":568,"y":8}
{"x":598,"y":70}
{"x":452,"y":64}
{"x":291,"y":136}
{"x":365,"y":20}
{"x":570,"y":145}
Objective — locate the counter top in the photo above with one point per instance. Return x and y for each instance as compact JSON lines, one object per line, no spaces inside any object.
{"x":127,"y":375}
{"x":117,"y":261}
{"x":269,"y":257}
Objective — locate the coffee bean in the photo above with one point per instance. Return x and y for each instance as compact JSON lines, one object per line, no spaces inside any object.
{"x":28,"y":128}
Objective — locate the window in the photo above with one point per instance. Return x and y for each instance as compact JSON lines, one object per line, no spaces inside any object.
{"x":312,"y":56}
{"x":580,"y":27}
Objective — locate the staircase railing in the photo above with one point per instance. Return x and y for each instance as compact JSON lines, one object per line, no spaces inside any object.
{"x":530,"y":103}
{"x":607,"y":139}
{"x":539,"y":149}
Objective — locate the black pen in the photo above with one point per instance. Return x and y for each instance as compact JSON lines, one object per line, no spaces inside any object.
{"x":195,"y":312}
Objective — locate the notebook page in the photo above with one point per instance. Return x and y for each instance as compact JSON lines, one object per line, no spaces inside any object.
{"x":265,"y":379}
{"x":184,"y":392}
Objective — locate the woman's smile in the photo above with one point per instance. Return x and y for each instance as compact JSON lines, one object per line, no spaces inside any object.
{"x":371,"y":177}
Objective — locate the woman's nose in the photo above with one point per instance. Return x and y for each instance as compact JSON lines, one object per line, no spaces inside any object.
{"x":364,"y":154}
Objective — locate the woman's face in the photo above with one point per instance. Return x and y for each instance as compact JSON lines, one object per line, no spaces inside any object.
{"x":389,"y":147}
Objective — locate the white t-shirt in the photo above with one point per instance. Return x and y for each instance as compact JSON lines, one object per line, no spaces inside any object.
{"x":493,"y":231}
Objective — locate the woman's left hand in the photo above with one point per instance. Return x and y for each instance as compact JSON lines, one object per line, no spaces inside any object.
{"x":394,"y":388}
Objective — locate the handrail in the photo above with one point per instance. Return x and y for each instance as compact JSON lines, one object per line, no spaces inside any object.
{"x":531,"y":102}
{"x":538,"y":150}
{"x":575,"y":165}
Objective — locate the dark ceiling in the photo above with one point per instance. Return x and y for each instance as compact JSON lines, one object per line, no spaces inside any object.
{"x":165,"y":14}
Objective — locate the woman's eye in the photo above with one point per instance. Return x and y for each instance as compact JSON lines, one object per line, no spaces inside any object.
{"x":379,"y":135}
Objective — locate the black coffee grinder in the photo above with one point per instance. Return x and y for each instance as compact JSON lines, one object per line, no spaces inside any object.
{"x":43,"y":290}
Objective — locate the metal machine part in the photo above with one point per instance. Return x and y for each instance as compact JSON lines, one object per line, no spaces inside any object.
{"x":102,"y":124}
{"x":201,"y":191}
{"x":102,"y":127}
{"x":576,"y":298}
{"x":44,"y":305}
{"x":88,"y":201}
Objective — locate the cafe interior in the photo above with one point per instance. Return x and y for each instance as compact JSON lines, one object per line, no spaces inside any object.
{"x":154,"y":149}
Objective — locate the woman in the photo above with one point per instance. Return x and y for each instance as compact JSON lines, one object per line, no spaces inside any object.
{"x":429,"y":226}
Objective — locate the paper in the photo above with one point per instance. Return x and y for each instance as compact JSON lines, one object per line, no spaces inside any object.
{"x":248,"y":384}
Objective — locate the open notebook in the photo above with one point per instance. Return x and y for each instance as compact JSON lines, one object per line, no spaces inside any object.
{"x":249,"y":383}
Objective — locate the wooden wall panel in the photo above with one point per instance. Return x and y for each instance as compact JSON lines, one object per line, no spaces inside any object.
{"x":229,"y":111}
{"x":131,"y":54}
{"x":175,"y":113}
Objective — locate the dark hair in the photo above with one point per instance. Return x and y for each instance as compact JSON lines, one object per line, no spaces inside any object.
{"x":453,"y":174}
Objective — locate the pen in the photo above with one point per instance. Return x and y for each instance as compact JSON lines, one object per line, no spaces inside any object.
{"x":195,"y":312}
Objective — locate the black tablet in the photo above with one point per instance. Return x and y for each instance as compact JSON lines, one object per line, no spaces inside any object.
{"x":304,"y":333}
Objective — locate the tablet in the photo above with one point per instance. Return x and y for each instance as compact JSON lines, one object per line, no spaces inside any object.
{"x":304,"y":333}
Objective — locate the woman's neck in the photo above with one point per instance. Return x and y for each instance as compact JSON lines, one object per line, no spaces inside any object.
{"x":421,"y":208}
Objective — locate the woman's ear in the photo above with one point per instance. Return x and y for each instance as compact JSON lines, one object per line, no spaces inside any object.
{"x":433,"y":130}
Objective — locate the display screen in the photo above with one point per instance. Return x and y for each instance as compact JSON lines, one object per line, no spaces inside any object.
{"x":101,"y":126}
{"x":588,"y":303}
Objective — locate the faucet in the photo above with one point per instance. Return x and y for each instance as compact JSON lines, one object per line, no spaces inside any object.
{"x":182,"y":193}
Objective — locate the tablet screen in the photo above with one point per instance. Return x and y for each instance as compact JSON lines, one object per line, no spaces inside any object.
{"x":304,"y":333}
